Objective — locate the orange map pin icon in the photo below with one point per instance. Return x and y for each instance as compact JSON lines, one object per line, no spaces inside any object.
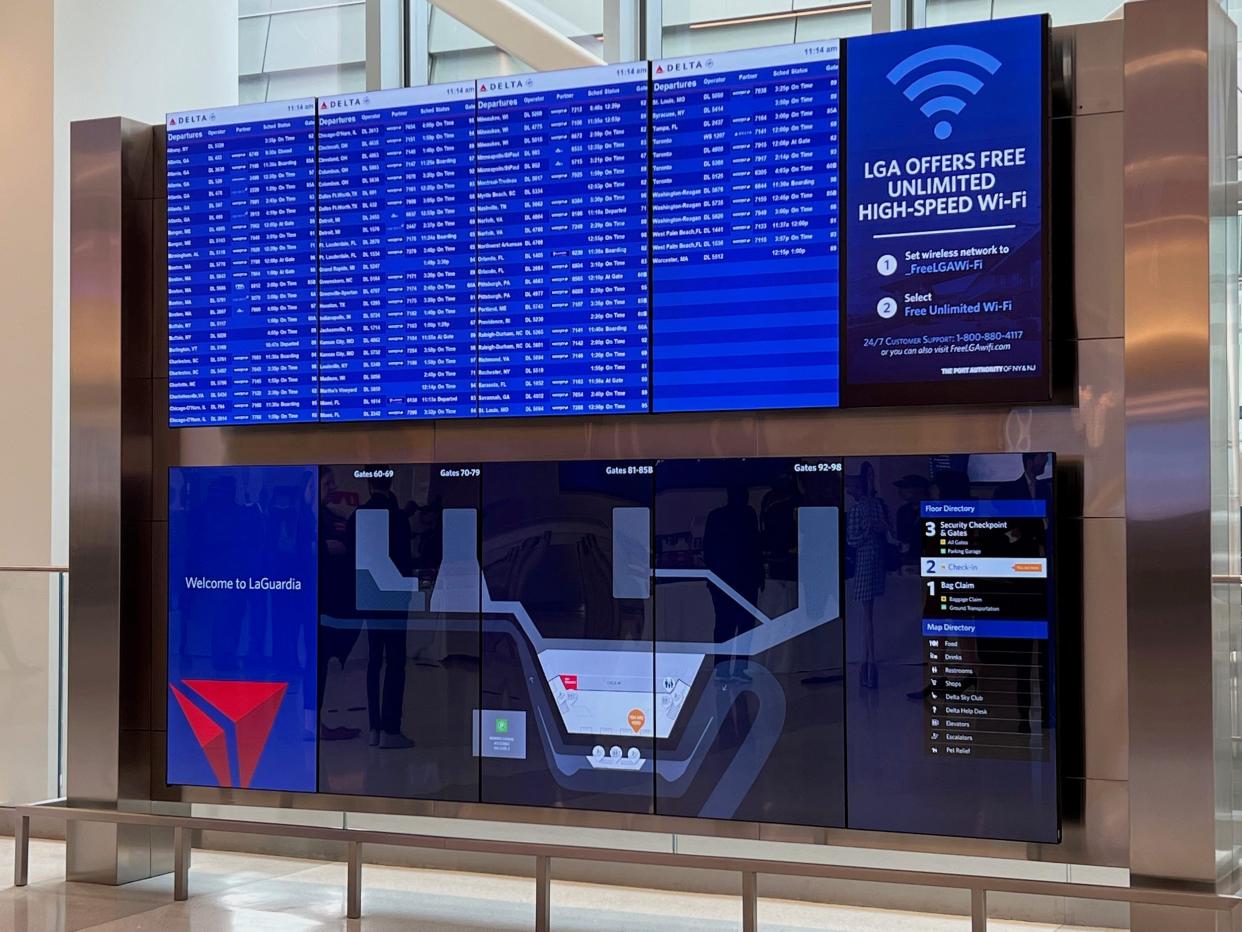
{"x":637,"y":718}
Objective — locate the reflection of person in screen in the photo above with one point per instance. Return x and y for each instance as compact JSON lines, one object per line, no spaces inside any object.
{"x":778,"y":525}
{"x":907,"y":524}
{"x":215,"y":532}
{"x":286,"y":523}
{"x":731,"y":550}
{"x":866,"y":533}
{"x":1030,"y":654}
{"x":336,"y":592}
{"x":386,"y":645}
{"x":949,"y":485}
{"x":1029,"y":485}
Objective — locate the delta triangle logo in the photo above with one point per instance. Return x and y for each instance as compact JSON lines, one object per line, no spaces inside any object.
{"x":250,"y":707}
{"x":209,"y":735}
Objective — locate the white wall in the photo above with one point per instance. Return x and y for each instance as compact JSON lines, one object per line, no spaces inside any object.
{"x":131,"y":58}
{"x":26,"y":269}
{"x":27,"y":680}
{"x":63,"y":60}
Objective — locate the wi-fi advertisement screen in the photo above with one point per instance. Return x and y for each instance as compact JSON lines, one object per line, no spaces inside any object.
{"x":945,"y":291}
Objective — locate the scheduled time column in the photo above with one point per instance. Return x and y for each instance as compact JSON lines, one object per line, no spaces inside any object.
{"x":402,"y":332}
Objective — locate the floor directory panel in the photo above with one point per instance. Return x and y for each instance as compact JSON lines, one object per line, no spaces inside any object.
{"x":745,"y":247}
{"x":396,"y":254}
{"x":562,"y":173}
{"x":950,"y":637}
{"x":242,"y":580}
{"x":567,"y":715}
{"x":749,"y":649}
{"x":398,"y":630}
{"x":946,"y":284}
{"x":242,"y":340}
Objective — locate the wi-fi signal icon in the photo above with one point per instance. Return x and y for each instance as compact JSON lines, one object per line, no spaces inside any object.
{"x":947,"y":87}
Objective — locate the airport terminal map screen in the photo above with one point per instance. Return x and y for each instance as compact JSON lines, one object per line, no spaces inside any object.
{"x":850,"y":222}
{"x":862,"y":642}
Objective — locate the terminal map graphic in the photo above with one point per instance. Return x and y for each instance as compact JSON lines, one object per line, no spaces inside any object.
{"x":720,"y":639}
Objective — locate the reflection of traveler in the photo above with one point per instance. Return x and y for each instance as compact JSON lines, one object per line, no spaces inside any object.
{"x":866,"y":534}
{"x":336,"y":591}
{"x":778,"y":531}
{"x":386,"y":653}
{"x":907,"y":524}
{"x":1027,"y":486}
{"x":731,"y":551}
{"x":1028,"y":656}
{"x":779,"y":525}
{"x":215,"y":530}
{"x":286,"y":524}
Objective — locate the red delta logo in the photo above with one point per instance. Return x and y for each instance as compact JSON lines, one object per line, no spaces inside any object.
{"x":250,"y":707}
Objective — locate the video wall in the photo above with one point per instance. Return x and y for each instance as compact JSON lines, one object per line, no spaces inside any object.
{"x":821,"y":224}
{"x":858,"y":642}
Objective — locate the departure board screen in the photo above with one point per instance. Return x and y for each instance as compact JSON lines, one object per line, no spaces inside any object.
{"x":817,"y":225}
{"x":744,"y":229}
{"x":242,"y":342}
{"x":396,"y":254}
{"x":561,"y":164}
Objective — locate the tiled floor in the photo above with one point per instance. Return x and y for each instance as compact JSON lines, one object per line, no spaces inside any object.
{"x":244,"y":892}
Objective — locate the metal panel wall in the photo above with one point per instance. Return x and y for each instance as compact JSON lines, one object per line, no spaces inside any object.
{"x":111,"y":297}
{"x":1172,"y":51}
{"x":1086,"y":428}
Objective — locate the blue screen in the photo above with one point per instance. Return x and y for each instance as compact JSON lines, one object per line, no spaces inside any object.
{"x":242,"y":343}
{"x":396,"y":258}
{"x":950,"y":645}
{"x":242,"y":588}
{"x":744,"y":243}
{"x":803,"y":226}
{"x":945,"y":228}
{"x":562,"y":242}
{"x":865,"y":643}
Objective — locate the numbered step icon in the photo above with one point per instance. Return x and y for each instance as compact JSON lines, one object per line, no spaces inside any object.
{"x":886,"y":308}
{"x":886,"y":264}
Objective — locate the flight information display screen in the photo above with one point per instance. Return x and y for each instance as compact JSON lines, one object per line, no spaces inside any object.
{"x":562,"y":175}
{"x":242,"y":288}
{"x":396,"y":257}
{"x":837,"y":223}
{"x":745,"y":190}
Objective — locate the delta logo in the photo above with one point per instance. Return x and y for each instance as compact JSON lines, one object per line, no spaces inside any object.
{"x":190,"y":119}
{"x":684,"y":66}
{"x":250,"y":710}
{"x":512,"y":84}
{"x":341,"y":103}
